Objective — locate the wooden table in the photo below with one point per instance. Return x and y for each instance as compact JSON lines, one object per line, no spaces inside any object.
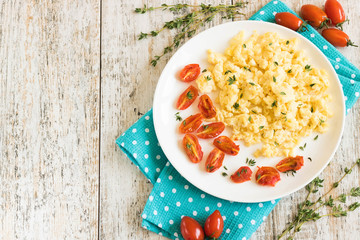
{"x":73,"y":77}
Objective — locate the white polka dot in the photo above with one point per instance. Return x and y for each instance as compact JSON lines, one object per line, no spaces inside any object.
{"x":158,"y":157}
{"x":144,"y":216}
{"x":244,"y":238}
{"x":147,"y":130}
{"x":160,"y":233}
{"x":275,"y":2}
{"x":262,"y":13}
{"x":178,"y":204}
{"x":345,"y":98}
{"x":167,"y":164}
{"x":231,"y":201}
{"x":151,"y":198}
{"x":236,"y":213}
{"x":170,"y":177}
{"x":202,"y":195}
{"x":123,"y":134}
{"x":147,"y":117}
{"x":240,"y":226}
{"x":157,"y":169}
{"x":134,"y":142}
{"x":261,"y":204}
{"x":160,"y":225}
{"x":274,"y":13}
{"x":353,"y":75}
{"x":338,"y":59}
{"x":176,"y":239}
{"x":325,"y":47}
{"x":146,"y":170}
{"x":219,"y":205}
{"x":248,"y":209}
{"x":182,"y":216}
{"x":158,"y":180}
{"x":135,"y":155}
{"x":162,"y":194}
{"x":176,"y":234}
{"x":166,"y":208}
{"x":224,"y":218}
{"x":352,"y":81}
{"x":252,"y":222}
{"x":186,"y":187}
{"x":273,"y":201}
{"x":336,"y":66}
{"x":155,"y":212}
{"x":228,"y":230}
{"x":122,"y":144}
{"x":134,"y":130}
{"x":194,"y":213}
{"x":171,"y":222}
{"x":147,"y":142}
{"x":264,"y":218}
{"x":207,"y":209}
{"x":190,"y":199}
{"x":173,"y":190}
{"x":356,"y":94}
{"x":348,"y":110}
{"x":146,"y":156}
{"x":144,"y":227}
{"x":312,"y":35}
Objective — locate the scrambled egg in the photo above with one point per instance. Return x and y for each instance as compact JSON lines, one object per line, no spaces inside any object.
{"x":267,"y":92}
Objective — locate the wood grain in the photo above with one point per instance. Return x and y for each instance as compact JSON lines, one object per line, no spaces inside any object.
{"x":49,"y":136}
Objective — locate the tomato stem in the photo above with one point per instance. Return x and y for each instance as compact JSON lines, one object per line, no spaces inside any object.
{"x":350,"y":43}
{"x":340,"y":25}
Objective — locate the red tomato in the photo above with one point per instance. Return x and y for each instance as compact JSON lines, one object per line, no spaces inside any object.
{"x":191,"y":229}
{"x":243,"y":174}
{"x":214,"y":160}
{"x":214,"y":225}
{"x":191,"y":123}
{"x":314,"y":15}
{"x":267,"y":176}
{"x":337,"y":37}
{"x":226,"y":145}
{"x":289,"y":20}
{"x":190,"y":72}
{"x":192,"y":148}
{"x":206,"y":107}
{"x":290,"y":163}
{"x":211,"y":130}
{"x":335,"y":12}
{"x":187,"y":98}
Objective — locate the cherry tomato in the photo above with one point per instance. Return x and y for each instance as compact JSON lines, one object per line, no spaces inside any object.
{"x":211,"y":130}
{"x":214,"y":225}
{"x":226,"y":145}
{"x":290,"y":163}
{"x":289,"y":20}
{"x":206,"y":107}
{"x":191,"y":229}
{"x":243,"y":174}
{"x":335,"y":12}
{"x":187,"y":98}
{"x":267,"y":176}
{"x":191,"y":123}
{"x":192,"y":148}
{"x":314,"y":15}
{"x":190,"y":72}
{"x":337,"y":37}
{"x":214,"y":160}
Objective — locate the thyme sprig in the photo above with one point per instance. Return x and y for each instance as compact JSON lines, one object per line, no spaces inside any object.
{"x":188,"y":24}
{"x":308,"y":210}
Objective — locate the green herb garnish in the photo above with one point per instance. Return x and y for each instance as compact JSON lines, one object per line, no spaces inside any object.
{"x":178,"y":117}
{"x":261,"y":127}
{"x":189,"y":95}
{"x":276,"y":63}
{"x":315,"y":138}
{"x":252,"y":84}
{"x":274,"y":79}
{"x":236,"y":106}
{"x":231,"y":80}
{"x":308,"y":68}
{"x":244,"y":45}
{"x":208,"y":78}
{"x":282,"y":93}
{"x":250,"y":162}
{"x":205,"y":70}
{"x":228,"y":71}
{"x":274,"y":104}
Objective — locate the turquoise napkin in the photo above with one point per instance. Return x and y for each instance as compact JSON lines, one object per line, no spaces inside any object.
{"x":173,"y":197}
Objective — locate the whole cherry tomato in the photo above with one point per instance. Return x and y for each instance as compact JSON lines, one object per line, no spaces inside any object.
{"x":335,"y":12}
{"x":214,"y":225}
{"x":211,"y":130}
{"x":214,"y":160}
{"x":267,"y":176}
{"x":190,"y":72}
{"x":337,"y":37}
{"x":191,"y":123}
{"x":226,"y":145}
{"x":187,"y":98}
{"x":289,"y":20}
{"x":290,"y":163}
{"x":314,"y":15}
{"x":243,"y":174}
{"x":191,"y":229}
{"x":192,"y":148}
{"x":206,"y":107}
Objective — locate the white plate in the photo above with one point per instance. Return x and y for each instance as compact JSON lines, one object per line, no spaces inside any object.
{"x":170,"y":87}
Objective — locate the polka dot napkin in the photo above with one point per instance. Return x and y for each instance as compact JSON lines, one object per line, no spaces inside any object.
{"x":173,"y":197}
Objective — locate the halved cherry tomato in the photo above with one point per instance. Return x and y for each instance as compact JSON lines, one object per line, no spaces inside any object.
{"x":191,"y":123}
{"x":267,"y":176}
{"x":243,"y":174}
{"x":335,"y":12}
{"x":190,"y":72}
{"x":289,"y":20}
{"x":187,"y":98}
{"x":192,"y":148}
{"x":214,"y":160}
{"x":211,"y":130}
{"x":214,"y":225}
{"x":226,"y":145}
{"x":191,"y":229}
{"x":290,"y":163}
{"x":314,"y":15}
{"x":206,"y":107}
{"x":337,"y":37}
